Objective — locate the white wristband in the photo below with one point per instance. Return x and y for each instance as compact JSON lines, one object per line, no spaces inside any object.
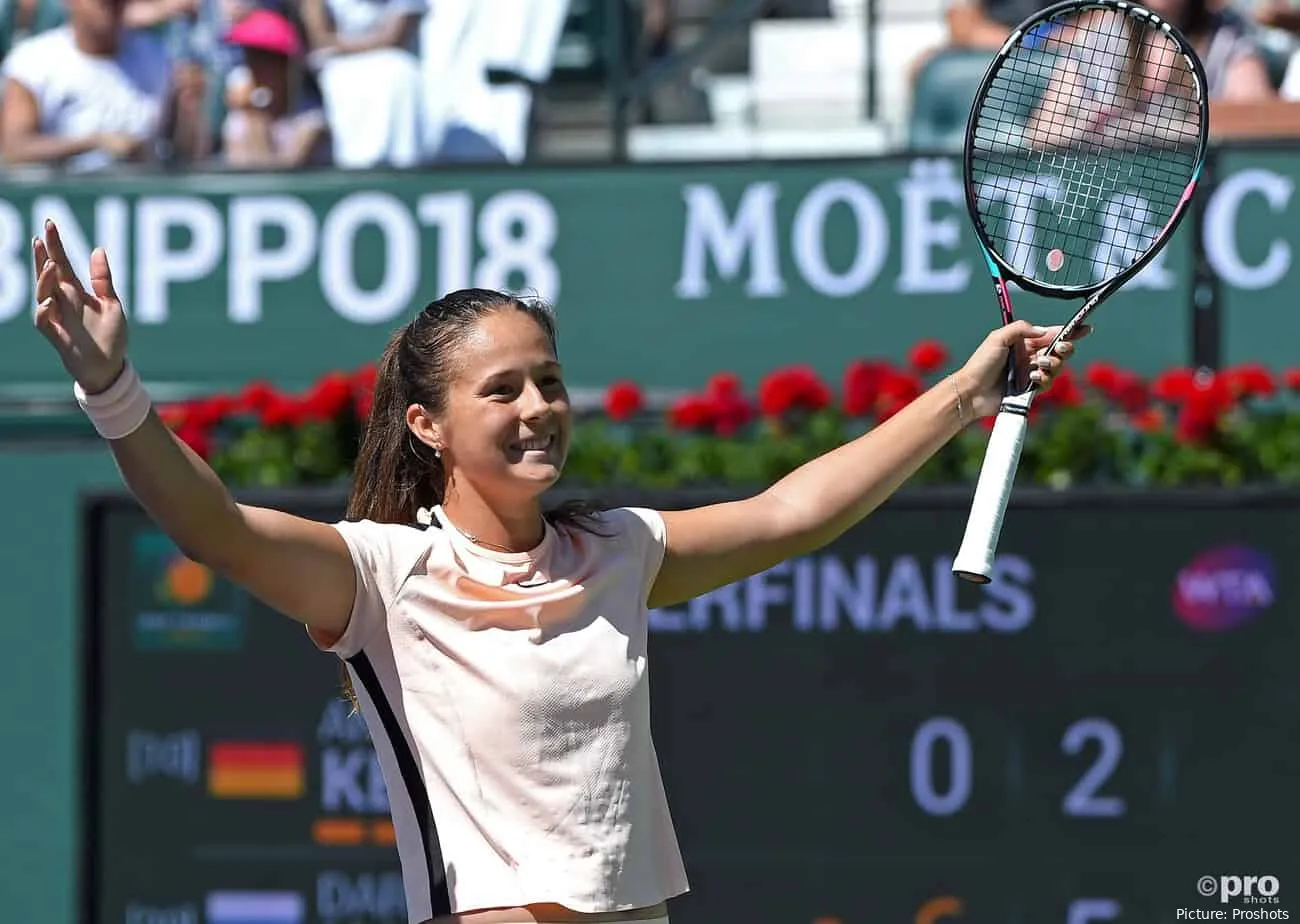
{"x":120,"y":410}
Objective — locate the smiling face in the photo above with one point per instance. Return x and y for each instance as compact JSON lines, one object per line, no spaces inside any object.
{"x":505,"y":428}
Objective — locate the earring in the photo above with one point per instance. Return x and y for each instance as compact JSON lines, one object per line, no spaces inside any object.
{"x":437,"y":453}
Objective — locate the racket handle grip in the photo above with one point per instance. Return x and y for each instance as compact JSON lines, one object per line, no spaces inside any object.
{"x":974,"y":561}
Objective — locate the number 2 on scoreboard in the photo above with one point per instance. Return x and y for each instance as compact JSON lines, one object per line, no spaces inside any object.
{"x":1083,"y":799}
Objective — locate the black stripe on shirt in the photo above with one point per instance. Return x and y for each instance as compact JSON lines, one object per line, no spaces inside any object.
{"x":439,"y":896}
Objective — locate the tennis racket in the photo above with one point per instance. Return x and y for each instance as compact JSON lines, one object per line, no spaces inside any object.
{"x":1084,"y":145}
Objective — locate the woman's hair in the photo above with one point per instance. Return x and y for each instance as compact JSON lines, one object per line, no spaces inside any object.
{"x":395,"y":473}
{"x":1198,"y":18}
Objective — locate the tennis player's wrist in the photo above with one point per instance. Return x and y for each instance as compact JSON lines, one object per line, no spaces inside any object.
{"x":961,"y":401}
{"x":120,"y":409}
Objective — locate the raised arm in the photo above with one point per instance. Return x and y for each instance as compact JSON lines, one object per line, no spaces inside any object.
{"x":709,"y":547}
{"x":299,"y":567}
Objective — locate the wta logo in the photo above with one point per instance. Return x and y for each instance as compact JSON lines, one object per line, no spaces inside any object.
{"x":1224,"y":587}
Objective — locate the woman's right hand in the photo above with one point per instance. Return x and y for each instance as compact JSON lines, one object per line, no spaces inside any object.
{"x":87,"y":329}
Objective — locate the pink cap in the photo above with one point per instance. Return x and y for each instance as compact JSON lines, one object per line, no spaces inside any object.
{"x":266,"y":30}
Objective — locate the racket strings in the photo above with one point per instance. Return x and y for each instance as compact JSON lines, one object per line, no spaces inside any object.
{"x":1083,"y":144}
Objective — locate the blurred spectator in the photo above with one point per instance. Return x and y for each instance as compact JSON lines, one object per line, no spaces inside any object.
{"x":985,"y":24}
{"x":1243,"y":100}
{"x":1234,"y":68}
{"x":657,"y":22}
{"x":270,"y":121}
{"x":1277,"y":14}
{"x":463,"y":121}
{"x":978,"y":25}
{"x":92,"y":92}
{"x":366,"y":53}
{"x":146,"y":14}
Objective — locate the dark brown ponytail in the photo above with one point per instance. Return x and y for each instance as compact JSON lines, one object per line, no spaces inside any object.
{"x":395,"y":473}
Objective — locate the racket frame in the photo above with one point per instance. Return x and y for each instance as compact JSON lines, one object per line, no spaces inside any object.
{"x":976,"y":554}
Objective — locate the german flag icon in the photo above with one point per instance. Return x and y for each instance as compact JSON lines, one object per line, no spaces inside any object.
{"x":256,"y":770}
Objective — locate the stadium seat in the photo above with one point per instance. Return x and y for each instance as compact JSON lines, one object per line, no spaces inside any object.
{"x":942,"y":97}
{"x":946,"y":87}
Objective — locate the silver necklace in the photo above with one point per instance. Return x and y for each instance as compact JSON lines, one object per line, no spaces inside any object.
{"x":487,"y":545}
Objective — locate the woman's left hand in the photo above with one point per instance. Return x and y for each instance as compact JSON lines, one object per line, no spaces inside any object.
{"x":982,"y":380}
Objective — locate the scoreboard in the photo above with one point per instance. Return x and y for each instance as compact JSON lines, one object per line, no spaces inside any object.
{"x":1109,"y":731}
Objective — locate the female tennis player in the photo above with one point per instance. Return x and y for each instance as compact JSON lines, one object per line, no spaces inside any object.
{"x":499,"y":659}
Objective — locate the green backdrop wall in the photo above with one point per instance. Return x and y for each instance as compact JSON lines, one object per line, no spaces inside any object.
{"x":664,"y":273}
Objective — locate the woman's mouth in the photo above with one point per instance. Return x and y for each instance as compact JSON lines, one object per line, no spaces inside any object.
{"x":535,"y":444}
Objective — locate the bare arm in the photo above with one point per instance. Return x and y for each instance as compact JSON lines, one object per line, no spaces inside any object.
{"x":712,"y":546}
{"x":250,"y":144}
{"x":1247,"y":81}
{"x":191,"y":131}
{"x":23,"y":142}
{"x":305,"y":139}
{"x":299,"y":567}
{"x":316,"y":21}
{"x":145,"y":14}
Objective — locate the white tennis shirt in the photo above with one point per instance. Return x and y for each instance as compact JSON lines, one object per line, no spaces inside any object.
{"x":508,"y":701}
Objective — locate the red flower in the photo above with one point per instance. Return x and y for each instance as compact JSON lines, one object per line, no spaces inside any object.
{"x":792,"y":388}
{"x":1174,"y":385}
{"x":174,"y":415}
{"x":692,"y":412}
{"x":730,"y":408}
{"x":927,"y":356}
{"x":210,"y":411}
{"x":255,"y":396}
{"x":1211,"y":391}
{"x":1196,"y":422}
{"x":1250,"y":380}
{"x":1125,"y":388}
{"x":282,"y":411}
{"x":1130,"y":392}
{"x":1065,"y":391}
{"x":196,"y":437}
{"x":1210,"y":398}
{"x":1150,"y":420}
{"x":1103,"y":377}
{"x":897,"y":391}
{"x":1291,"y":378}
{"x":862,"y":383}
{"x":363,"y":379}
{"x":723,"y":384}
{"x":623,"y":400}
{"x":328,"y":399}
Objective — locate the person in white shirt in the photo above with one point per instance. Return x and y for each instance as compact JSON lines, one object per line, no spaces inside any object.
{"x":500,"y":659}
{"x":91,"y":93}
{"x":366,"y":57}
